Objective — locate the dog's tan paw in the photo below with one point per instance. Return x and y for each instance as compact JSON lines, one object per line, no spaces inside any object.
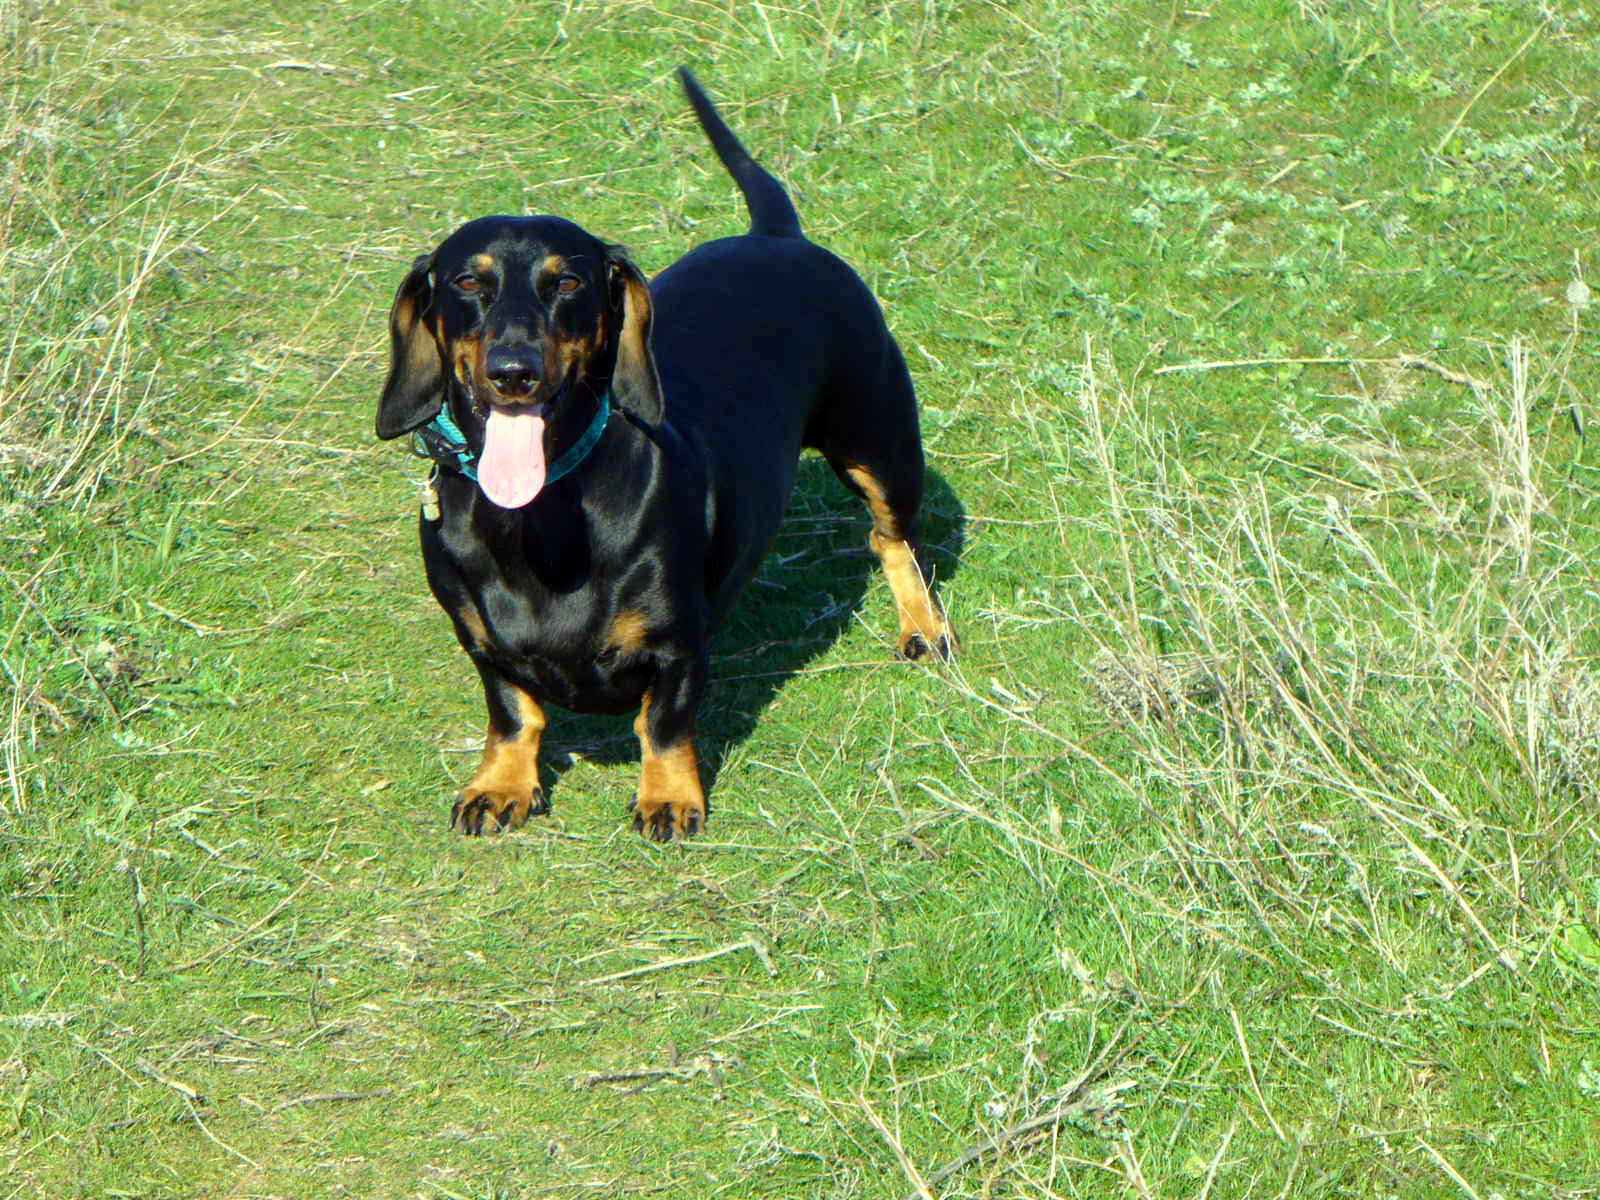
{"x":940,"y":641}
{"x":488,"y":810}
{"x":663,"y":820}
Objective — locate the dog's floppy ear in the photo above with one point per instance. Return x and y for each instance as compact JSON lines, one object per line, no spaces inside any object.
{"x":635,"y":384}
{"x":414,"y":391}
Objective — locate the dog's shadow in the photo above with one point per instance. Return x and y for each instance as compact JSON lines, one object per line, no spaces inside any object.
{"x":811,"y":584}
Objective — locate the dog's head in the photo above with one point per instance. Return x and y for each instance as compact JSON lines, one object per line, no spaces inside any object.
{"x":519,"y":324}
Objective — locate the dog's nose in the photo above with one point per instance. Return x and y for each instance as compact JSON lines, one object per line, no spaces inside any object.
{"x":514,"y":369}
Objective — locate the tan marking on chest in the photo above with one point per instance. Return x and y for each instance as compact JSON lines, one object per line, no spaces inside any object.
{"x":472,"y":621}
{"x":626,"y":633}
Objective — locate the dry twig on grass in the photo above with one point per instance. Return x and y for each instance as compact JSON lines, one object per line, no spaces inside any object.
{"x":1083,"y":1097}
{"x":1412,"y":361}
{"x":753,"y":943}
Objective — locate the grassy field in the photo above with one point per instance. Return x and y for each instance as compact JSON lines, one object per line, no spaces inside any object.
{"x":1250,"y":849}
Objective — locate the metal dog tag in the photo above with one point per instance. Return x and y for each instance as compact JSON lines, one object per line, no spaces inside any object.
{"x":430,"y":499}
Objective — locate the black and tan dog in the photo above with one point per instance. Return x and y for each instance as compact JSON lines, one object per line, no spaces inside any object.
{"x":614,"y":458}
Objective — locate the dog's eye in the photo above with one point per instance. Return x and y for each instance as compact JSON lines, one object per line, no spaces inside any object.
{"x":468,"y":283}
{"x":568,"y":284}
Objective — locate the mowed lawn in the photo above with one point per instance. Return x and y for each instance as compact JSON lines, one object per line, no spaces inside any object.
{"x":1250,"y":848}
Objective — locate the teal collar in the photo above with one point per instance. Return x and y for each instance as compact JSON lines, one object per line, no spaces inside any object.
{"x":441,"y":439}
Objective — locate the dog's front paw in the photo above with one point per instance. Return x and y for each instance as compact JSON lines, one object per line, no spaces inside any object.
{"x":481,"y":810}
{"x":671,"y":801}
{"x":662,"y":819}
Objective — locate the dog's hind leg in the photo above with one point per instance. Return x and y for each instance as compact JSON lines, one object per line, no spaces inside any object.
{"x":874,"y":446}
{"x":923,"y":626}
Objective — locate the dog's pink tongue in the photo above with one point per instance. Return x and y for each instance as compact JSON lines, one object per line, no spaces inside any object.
{"x":511,"y":471}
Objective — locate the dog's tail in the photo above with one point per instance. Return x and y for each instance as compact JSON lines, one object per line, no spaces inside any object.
{"x":772,"y":213}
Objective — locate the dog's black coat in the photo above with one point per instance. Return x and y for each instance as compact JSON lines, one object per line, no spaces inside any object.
{"x":601,"y":593}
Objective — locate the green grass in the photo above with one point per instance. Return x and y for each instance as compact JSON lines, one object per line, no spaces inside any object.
{"x":1249,"y":850}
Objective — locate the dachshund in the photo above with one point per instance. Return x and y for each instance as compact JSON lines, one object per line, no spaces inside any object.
{"x":613,"y":457}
